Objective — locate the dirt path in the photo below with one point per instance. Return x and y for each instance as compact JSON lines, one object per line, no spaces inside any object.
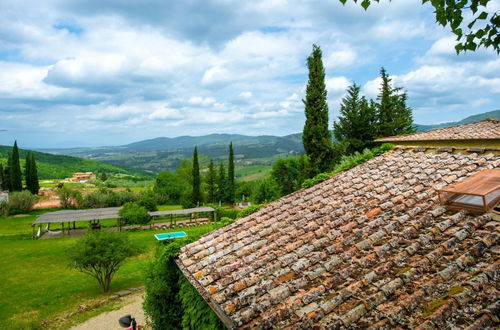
{"x":109,"y":320}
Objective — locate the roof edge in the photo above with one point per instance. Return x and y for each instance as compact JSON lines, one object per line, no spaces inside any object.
{"x":213,"y":305}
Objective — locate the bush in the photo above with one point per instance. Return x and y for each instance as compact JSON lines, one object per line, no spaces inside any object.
{"x":20,"y":202}
{"x":100,"y":254}
{"x":226,"y":221}
{"x":134,"y":214}
{"x":171,"y":302}
{"x":148,"y":201}
{"x":108,"y":198}
{"x":69,"y":198}
{"x":249,"y":210}
{"x":348,"y":162}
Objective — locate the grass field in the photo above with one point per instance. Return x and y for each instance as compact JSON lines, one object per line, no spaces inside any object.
{"x":250,"y":173}
{"x":36,"y":283}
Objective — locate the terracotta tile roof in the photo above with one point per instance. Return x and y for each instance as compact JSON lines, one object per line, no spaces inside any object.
{"x":369,"y":247}
{"x":485,"y":129}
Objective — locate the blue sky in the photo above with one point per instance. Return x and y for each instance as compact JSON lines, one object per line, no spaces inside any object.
{"x":111,"y":72}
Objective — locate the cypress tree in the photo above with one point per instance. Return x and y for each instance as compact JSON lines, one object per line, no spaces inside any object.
{"x":221,"y":183}
{"x":6,"y":174}
{"x":230,"y":176}
{"x":27,"y":171}
{"x":196,"y":193}
{"x":34,"y":186}
{"x":393,"y":116}
{"x":316,"y":136}
{"x":15,"y":170}
{"x":355,"y":129}
{"x":211,"y":182}
{"x":2,"y":180}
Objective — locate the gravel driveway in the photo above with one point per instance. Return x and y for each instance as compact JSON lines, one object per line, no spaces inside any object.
{"x":109,"y":320}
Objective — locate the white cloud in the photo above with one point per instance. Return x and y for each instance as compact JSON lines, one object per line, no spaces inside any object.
{"x":203,"y":101}
{"x":337,"y":85}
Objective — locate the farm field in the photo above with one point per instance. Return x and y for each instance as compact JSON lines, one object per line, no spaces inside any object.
{"x":36,"y":282}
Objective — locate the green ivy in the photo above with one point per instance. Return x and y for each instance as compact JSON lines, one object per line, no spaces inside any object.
{"x":171,"y":302}
{"x":348,"y":162}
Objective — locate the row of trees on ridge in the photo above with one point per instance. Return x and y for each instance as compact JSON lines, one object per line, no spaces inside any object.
{"x":11,"y":175}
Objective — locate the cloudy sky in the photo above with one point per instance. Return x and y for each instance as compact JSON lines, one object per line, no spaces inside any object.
{"x":110,"y":72}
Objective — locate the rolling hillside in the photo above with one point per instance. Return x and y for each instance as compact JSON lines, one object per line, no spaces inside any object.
{"x":52,"y":166}
{"x":253,"y":152}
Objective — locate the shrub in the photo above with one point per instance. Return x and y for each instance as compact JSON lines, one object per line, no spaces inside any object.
{"x":171,"y":302}
{"x":148,"y":201}
{"x":134,"y":214}
{"x":20,"y":202}
{"x":348,"y":162}
{"x":226,"y":221}
{"x":69,"y":198}
{"x":100,"y":254}
{"x":249,"y":210}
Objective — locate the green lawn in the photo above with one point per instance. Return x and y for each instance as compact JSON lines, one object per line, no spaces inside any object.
{"x":36,"y":282}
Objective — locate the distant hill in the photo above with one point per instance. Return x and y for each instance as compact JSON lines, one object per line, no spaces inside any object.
{"x":252,"y":153}
{"x":470,"y":119}
{"x":52,"y":166}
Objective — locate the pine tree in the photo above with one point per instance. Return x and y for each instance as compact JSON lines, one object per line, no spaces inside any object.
{"x":230,"y":176}
{"x":316,"y":136}
{"x":196,"y":192}
{"x":393,"y":116}
{"x":34,"y":186}
{"x":15,"y":170}
{"x":221,"y":183}
{"x":211,"y":180}
{"x":356,"y":126}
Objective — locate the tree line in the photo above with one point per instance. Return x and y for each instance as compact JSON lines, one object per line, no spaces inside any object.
{"x":11,"y":176}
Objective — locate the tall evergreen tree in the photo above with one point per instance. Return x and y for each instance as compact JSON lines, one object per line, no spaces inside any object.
{"x":27,"y":171}
{"x":221,"y":183}
{"x":6,"y":174}
{"x":211,"y":180}
{"x":230,"y":176}
{"x":196,"y":193}
{"x":15,"y":170}
{"x":2,"y":180}
{"x":33,"y":185}
{"x":393,"y":116}
{"x":355,"y":129}
{"x":316,"y":136}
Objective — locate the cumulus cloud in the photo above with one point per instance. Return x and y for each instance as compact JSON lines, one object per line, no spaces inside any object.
{"x":111,"y":69}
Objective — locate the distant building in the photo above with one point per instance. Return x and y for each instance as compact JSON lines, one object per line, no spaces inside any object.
{"x":82,"y":176}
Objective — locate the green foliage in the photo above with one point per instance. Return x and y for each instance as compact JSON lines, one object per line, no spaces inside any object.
{"x":226,"y":220}
{"x":20,"y":202}
{"x":316,"y":136}
{"x":100,"y":254}
{"x":170,"y":185}
{"x":196,"y":184}
{"x":221,"y":183}
{"x":31,"y":174}
{"x":211,"y":180}
{"x":481,"y":27}
{"x":69,"y":198}
{"x":133,"y":214}
{"x":196,"y":314}
{"x":16,"y":183}
{"x":245,"y":188}
{"x":267,"y":191}
{"x":103,"y":177}
{"x":148,"y":201}
{"x":162,"y":302}
{"x":3,"y":182}
{"x":289,"y":173}
{"x":348,"y":162}
{"x":230,"y":176}
{"x":355,"y":129}
{"x":249,"y":210}
{"x":108,"y":198}
{"x":393,"y":116}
